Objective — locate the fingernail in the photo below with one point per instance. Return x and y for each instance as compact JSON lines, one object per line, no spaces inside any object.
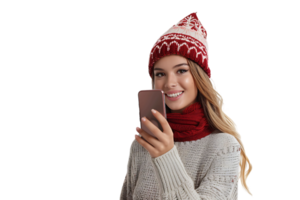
{"x":153,"y":110}
{"x":143,"y":118}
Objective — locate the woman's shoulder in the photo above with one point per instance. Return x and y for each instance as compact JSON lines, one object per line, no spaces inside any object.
{"x":223,"y":140}
{"x":136,"y":147}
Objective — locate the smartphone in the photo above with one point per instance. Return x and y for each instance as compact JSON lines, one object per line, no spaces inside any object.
{"x":149,"y":99}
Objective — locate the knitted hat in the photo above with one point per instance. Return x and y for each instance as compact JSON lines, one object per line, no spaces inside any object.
{"x":187,"y":38}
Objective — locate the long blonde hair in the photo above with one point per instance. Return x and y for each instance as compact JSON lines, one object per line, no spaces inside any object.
{"x":212,"y":103}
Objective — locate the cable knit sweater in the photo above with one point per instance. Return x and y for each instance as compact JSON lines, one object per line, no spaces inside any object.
{"x":204,"y":169}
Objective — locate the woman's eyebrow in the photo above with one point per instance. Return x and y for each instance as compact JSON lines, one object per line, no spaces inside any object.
{"x":173,"y":67}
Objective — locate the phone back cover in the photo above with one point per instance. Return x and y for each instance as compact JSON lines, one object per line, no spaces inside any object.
{"x":149,"y":99}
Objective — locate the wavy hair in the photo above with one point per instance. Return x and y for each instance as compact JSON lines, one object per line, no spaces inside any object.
{"x":212,"y":103}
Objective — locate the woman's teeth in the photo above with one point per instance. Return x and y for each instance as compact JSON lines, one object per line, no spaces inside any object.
{"x":174,"y":95}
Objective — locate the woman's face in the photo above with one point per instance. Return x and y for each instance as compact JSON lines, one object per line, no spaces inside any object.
{"x":172,"y":75}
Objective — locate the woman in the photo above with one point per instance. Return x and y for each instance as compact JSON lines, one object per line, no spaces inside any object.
{"x":198,"y":153}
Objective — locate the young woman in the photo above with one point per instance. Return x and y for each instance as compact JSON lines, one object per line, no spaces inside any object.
{"x":199,"y":151}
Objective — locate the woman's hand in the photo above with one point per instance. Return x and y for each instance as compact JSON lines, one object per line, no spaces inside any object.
{"x":165,"y":141}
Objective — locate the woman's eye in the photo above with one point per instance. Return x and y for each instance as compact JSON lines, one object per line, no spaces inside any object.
{"x":183,"y":71}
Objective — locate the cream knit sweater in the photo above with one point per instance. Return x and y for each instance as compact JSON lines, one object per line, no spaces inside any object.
{"x":204,"y":169}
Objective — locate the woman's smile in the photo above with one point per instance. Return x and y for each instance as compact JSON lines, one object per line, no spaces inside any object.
{"x":174,"y":97}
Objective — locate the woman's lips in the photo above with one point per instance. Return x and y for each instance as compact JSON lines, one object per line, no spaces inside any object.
{"x":174,"y":98}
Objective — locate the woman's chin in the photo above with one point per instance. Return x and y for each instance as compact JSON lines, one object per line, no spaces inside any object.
{"x":175,"y":108}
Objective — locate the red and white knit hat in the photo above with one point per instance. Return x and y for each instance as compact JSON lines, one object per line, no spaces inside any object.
{"x":187,"y":38}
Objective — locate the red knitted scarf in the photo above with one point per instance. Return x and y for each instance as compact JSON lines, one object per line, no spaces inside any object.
{"x":189,"y":125}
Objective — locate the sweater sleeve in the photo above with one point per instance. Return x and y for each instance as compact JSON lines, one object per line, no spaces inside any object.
{"x":127,"y":190}
{"x":220,"y":182}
